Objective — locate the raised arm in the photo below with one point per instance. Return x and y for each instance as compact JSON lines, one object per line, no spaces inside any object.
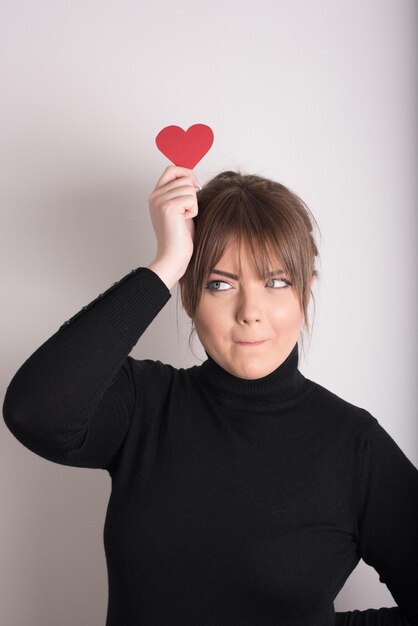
{"x":72,"y":401}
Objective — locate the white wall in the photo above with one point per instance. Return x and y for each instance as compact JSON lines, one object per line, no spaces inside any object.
{"x":321,"y":96}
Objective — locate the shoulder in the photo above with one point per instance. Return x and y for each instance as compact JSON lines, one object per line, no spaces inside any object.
{"x":151,"y":367}
{"x":339,"y":410}
{"x":156,"y":374}
{"x":354,"y":427}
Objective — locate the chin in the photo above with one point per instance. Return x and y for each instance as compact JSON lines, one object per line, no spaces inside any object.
{"x":248,"y":372}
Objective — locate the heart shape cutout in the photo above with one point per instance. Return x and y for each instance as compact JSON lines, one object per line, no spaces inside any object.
{"x":185,"y":148}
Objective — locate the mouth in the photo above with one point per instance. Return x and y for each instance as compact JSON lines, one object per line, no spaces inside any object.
{"x":250,"y":343}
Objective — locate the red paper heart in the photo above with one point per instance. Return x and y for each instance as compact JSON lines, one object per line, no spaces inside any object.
{"x":185,"y":148}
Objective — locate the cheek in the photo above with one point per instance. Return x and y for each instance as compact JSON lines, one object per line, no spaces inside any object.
{"x":210,"y":319}
{"x":204,"y":319}
{"x":290,"y":315}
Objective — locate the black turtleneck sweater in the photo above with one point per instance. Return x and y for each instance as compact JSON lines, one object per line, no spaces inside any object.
{"x":234,"y":502}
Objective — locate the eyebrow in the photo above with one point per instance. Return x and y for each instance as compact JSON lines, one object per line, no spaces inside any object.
{"x":236,"y":277}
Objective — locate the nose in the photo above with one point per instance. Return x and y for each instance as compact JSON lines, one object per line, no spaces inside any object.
{"x":248,"y":309}
{"x":249,"y":320}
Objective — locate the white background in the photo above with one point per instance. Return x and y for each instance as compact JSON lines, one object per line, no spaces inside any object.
{"x":321,"y":96}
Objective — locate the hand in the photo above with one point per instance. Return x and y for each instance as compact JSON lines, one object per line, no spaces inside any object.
{"x":172,"y":206}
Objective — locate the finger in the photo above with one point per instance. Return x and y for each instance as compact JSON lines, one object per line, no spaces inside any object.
{"x":178,"y":190}
{"x":182,"y":183}
{"x":187,"y":205}
{"x":177,"y":194}
{"x":172,"y":172}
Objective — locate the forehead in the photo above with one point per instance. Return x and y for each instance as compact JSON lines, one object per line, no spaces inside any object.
{"x":235,"y":257}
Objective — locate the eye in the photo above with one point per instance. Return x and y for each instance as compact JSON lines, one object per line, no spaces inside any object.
{"x":287,"y":283}
{"x":211,"y":283}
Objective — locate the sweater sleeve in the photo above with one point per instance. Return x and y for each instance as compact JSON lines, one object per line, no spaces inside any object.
{"x":387,"y":529}
{"x":72,"y":400}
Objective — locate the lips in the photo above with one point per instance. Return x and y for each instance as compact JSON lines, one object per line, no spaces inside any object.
{"x":251,"y":343}
{"x":249,"y":340}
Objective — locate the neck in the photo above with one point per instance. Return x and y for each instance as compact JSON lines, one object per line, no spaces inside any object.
{"x":285,"y":384}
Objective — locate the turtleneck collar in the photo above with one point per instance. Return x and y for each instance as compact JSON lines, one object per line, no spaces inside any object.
{"x":284,"y":384}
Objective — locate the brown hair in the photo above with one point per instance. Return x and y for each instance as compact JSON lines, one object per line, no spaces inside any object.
{"x":269,"y":218}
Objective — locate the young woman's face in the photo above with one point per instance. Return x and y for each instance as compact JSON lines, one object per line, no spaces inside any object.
{"x":247,"y":309}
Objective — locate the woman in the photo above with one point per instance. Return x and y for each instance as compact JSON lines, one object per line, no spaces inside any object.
{"x":243,"y":493}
